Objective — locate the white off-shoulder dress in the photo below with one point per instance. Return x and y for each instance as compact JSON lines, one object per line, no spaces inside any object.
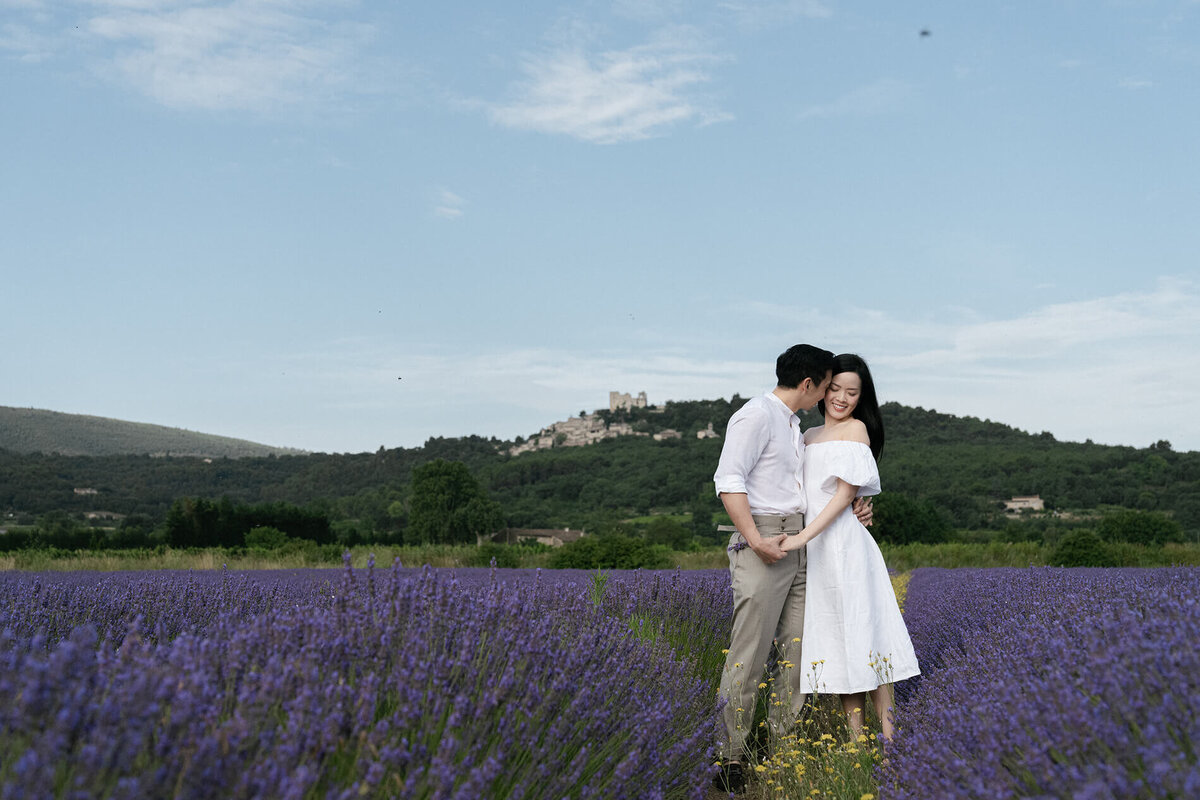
{"x":853,"y":629}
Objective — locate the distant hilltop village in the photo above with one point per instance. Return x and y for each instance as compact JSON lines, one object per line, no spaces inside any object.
{"x":618,"y":400}
{"x":591,"y":428}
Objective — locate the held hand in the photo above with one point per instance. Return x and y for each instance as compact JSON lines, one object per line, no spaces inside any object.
{"x":796,"y":542}
{"x":864,"y":511}
{"x":768,"y":549}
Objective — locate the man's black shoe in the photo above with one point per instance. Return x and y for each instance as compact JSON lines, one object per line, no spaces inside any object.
{"x":731,"y":777}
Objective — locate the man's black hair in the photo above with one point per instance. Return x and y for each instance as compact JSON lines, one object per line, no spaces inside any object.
{"x":802,"y":361}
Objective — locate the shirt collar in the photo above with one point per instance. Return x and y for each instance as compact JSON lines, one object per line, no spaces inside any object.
{"x":782,"y":405}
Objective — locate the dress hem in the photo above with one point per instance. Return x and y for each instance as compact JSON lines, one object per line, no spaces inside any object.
{"x":827,"y":690}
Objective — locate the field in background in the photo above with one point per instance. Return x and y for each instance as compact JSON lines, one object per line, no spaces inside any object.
{"x":899,"y":558}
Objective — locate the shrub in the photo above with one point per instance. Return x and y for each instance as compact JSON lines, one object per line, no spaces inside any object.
{"x":265,"y":537}
{"x":1082,"y":548}
{"x":610,"y":552}
{"x":504,"y":555}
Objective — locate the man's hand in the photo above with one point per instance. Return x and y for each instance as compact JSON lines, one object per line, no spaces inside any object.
{"x":769,"y":549}
{"x":864,"y":511}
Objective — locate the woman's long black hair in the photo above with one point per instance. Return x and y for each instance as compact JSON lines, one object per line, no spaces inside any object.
{"x":867,"y":410}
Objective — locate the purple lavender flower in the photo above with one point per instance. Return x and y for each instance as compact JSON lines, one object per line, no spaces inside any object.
{"x":1050,"y":682}
{"x":305,"y":683}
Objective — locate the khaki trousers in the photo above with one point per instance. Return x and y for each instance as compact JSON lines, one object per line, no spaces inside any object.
{"x":768,"y":610}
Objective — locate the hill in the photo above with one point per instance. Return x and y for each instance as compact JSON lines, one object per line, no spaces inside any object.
{"x":31,"y":430}
{"x":963,"y":466}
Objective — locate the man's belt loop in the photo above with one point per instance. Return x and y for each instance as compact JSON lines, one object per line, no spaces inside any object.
{"x":772,"y":524}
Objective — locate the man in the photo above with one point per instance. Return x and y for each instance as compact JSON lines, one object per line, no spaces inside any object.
{"x":758,"y":480}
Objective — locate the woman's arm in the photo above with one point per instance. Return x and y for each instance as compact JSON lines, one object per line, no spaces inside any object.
{"x":841,"y":500}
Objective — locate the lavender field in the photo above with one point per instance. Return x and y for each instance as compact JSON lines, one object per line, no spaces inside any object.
{"x":1081,"y":683}
{"x":529,"y":684}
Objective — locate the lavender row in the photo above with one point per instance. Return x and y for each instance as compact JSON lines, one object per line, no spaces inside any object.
{"x":320,"y":685}
{"x":1050,"y":683}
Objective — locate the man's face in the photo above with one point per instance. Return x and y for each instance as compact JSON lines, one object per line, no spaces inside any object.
{"x":814,"y":392}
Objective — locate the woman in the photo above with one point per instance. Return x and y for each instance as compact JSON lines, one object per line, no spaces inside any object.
{"x":855,"y":642}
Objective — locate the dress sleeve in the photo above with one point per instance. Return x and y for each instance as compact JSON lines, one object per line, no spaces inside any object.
{"x":854,"y":464}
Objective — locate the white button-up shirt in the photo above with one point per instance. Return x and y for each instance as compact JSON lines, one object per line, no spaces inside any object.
{"x":763,"y":456}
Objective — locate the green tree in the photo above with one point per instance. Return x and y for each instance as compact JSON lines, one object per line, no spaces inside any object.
{"x":447,"y":505}
{"x":666,"y":531}
{"x":1139,"y":527}
{"x":901,"y":520}
{"x":703,"y":528}
{"x":60,"y":529}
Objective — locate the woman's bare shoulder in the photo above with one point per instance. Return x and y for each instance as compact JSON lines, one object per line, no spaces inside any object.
{"x":853,"y":430}
{"x":812,"y":434}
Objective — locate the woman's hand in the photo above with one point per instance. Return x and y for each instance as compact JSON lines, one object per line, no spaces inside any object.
{"x":864,"y":511}
{"x":796,"y":541}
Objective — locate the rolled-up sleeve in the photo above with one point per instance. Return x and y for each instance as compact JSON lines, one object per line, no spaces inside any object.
{"x":745,"y":439}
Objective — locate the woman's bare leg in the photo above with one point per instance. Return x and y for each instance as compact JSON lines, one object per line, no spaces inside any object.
{"x":853,"y":705}
{"x":881,"y":698}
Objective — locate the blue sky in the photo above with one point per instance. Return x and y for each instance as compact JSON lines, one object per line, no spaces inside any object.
{"x":340,"y":225}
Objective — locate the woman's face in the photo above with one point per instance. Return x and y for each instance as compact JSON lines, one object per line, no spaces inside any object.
{"x":841,"y":398}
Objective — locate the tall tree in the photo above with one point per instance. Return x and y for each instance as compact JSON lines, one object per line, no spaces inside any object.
{"x":448,"y":506}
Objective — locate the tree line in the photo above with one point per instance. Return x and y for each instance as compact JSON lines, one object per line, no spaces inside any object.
{"x":940,"y":473}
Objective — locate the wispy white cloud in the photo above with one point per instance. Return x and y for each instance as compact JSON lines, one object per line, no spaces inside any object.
{"x":1060,"y":330}
{"x":882,"y":97}
{"x":1135,"y":83}
{"x":23,"y":5}
{"x":647,"y":10}
{"x":448,"y":205}
{"x":25,"y":44}
{"x":1123,"y":369}
{"x":613,"y":96}
{"x":758,"y":15}
{"x":243,"y":54}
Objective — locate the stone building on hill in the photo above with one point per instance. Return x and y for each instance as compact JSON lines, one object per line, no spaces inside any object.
{"x":574,"y":432}
{"x":618,"y":400}
{"x":584,"y":429}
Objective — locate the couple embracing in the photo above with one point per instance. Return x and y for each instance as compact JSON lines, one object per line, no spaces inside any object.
{"x":807,"y":577}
